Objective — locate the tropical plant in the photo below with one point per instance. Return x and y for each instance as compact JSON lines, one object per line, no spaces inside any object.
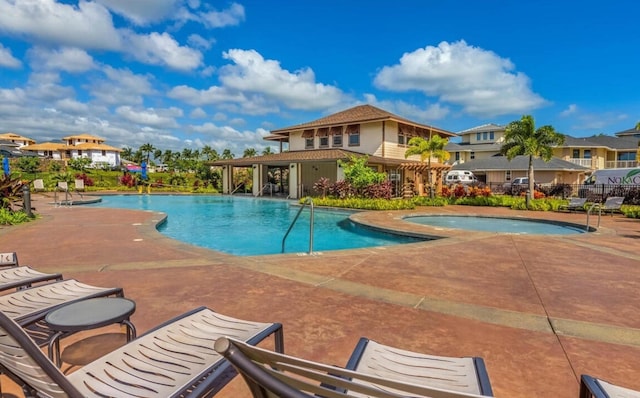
{"x":359,"y":175}
{"x":638,"y":126}
{"x":79,"y":164}
{"x":427,"y":149}
{"x":127,"y":153}
{"x":322,"y":185}
{"x":250,"y":153}
{"x":10,"y":192}
{"x":28,"y":164}
{"x":267,"y":151}
{"x":522,"y":138}
{"x":227,"y":154}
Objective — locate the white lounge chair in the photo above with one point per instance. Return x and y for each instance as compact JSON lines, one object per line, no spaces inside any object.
{"x":9,"y":259}
{"x":612,"y":203}
{"x":590,"y":387}
{"x":175,"y":359}
{"x":574,"y":204}
{"x":38,"y":185}
{"x":270,"y":374}
{"x":23,"y":278}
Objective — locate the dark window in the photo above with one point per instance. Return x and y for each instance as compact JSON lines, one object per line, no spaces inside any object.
{"x":491,"y":136}
{"x":484,"y":136}
{"x":354,"y":134}
{"x":337,"y":139}
{"x":473,"y":155}
{"x":587,"y":153}
{"x":324,"y":142}
{"x":308,"y":143}
{"x":477,"y":136}
{"x":104,"y":153}
{"x":576,"y":154}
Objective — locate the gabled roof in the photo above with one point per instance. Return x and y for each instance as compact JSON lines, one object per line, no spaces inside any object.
{"x":632,"y":131}
{"x":458,"y":147}
{"x":14,"y":136}
{"x":484,"y":127}
{"x":357,"y":114}
{"x":46,"y":146}
{"x":520,"y":163}
{"x":94,"y":146}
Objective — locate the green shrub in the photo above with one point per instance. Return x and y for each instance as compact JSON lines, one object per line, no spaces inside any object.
{"x":630,"y":211}
{"x":8,"y":217}
{"x":364,"y":204}
{"x":427,"y":201}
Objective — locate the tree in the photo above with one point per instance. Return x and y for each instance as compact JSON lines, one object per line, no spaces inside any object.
{"x":147,"y":149}
{"x":638,"y":126}
{"x":267,"y":151}
{"x":427,"y":149}
{"x":249,"y":153}
{"x":522,"y":138}
{"x":209,"y":153}
{"x":127,"y":153}
{"x":227,"y":154}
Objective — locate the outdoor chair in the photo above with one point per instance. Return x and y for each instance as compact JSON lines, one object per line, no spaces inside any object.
{"x":9,"y":259}
{"x":270,"y":374}
{"x":38,"y":185}
{"x":612,"y":203}
{"x":23,"y":278}
{"x":574,"y":204}
{"x":596,"y":388}
{"x":29,"y":307}
{"x":79,"y":186}
{"x":174,"y":359}
{"x":468,"y":375}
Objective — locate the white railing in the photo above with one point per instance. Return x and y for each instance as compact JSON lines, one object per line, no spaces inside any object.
{"x":616,"y":164}
{"x":581,"y":161}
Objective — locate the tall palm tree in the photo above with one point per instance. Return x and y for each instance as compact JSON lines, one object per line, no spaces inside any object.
{"x":249,"y":153}
{"x":638,"y":126}
{"x":522,"y":138}
{"x":227,"y":154}
{"x":267,"y":151}
{"x":127,"y":153}
{"x":427,"y":149}
{"x":210,"y":153}
{"x":147,"y":149}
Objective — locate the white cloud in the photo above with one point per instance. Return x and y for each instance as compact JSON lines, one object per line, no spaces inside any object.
{"x":198,"y":113}
{"x":429,"y":112}
{"x":161,"y":49}
{"x":573,"y":108}
{"x":86,"y":25}
{"x":45,"y":87}
{"x":198,"y":41}
{"x":7,"y":60}
{"x":68,"y":59}
{"x":122,"y":87}
{"x":232,"y":16}
{"x":160,"y":118}
{"x":251,"y":73}
{"x":72,"y":106}
{"x":480,"y":81}
{"x":141,"y":12}
{"x":212,"y":95}
{"x":12,"y":96}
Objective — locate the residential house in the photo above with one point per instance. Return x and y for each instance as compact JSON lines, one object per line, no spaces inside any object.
{"x":479,"y":151}
{"x":79,"y":146}
{"x":14,"y":138}
{"x":317,"y":148}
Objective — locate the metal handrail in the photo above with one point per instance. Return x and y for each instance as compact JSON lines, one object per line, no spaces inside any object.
{"x":599,"y":214}
{"x":308,"y":200}
{"x":238,"y":187}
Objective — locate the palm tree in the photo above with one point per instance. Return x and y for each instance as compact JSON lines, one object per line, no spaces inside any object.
{"x":147,"y":149}
{"x":249,"y":153}
{"x":227,"y":154}
{"x":267,"y":151}
{"x":522,"y":138}
{"x":638,"y":126}
{"x":127,"y":153}
{"x":427,"y":149}
{"x":210,"y":153}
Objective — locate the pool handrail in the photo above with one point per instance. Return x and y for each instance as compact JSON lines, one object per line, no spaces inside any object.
{"x":309,"y":201}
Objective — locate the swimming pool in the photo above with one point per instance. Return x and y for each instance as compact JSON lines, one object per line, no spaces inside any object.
{"x":499,"y":224}
{"x":250,"y":226}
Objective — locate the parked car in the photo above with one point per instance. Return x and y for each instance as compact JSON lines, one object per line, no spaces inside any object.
{"x":516,"y":185}
{"x":460,"y":177}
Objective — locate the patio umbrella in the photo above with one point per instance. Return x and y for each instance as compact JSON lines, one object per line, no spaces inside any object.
{"x":143,"y":171}
{"x":5,"y":166}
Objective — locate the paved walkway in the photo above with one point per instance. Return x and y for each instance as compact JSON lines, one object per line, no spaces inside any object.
{"x":540,"y":310}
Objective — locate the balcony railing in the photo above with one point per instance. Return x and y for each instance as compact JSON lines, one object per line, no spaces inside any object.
{"x":615,"y":164}
{"x":581,"y":161}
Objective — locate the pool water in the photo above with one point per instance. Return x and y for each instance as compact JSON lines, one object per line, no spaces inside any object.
{"x":501,"y":225}
{"x":250,"y":226}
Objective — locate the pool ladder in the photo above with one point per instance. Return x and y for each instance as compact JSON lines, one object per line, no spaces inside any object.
{"x":308,"y":201}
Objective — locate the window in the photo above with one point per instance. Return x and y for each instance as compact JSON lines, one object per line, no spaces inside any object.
{"x":336,"y":133}
{"x":472,"y":155}
{"x":627,"y":156}
{"x":507,"y":175}
{"x":402,"y":139}
{"x":104,"y":153}
{"x":323,"y":134}
{"x":491,"y":136}
{"x":324,"y":142}
{"x":308,"y":143}
{"x":79,"y":152}
{"x":354,"y":134}
{"x":576,"y":154}
{"x":485,"y":136}
{"x":457,"y":156}
{"x":477,"y":136}
{"x":587,"y":153}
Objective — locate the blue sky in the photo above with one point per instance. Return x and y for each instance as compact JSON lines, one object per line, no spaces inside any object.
{"x":187,"y":73}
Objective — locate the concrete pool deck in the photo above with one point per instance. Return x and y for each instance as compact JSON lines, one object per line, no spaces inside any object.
{"x":540,"y":310}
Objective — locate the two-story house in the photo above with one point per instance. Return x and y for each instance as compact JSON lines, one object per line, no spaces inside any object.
{"x":316,"y":149}
{"x":79,"y":146}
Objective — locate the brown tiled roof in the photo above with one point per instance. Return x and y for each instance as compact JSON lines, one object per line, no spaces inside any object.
{"x":357,"y":114}
{"x":14,"y":136}
{"x":46,"y":146}
{"x":95,"y":146}
{"x":83,"y":137}
{"x":316,"y":155}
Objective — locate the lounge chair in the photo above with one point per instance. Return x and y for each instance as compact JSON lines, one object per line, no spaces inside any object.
{"x":28,"y":307}
{"x":467,"y":375}
{"x":174,"y":359}
{"x":574,"y":204}
{"x":270,"y":374}
{"x":612,"y":203}
{"x":38,"y":185}
{"x":24,"y":277}
{"x":9,"y":259}
{"x":79,"y":186}
{"x":596,"y":388}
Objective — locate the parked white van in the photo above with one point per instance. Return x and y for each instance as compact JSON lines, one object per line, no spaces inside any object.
{"x":602,"y":181}
{"x":460,"y":177}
